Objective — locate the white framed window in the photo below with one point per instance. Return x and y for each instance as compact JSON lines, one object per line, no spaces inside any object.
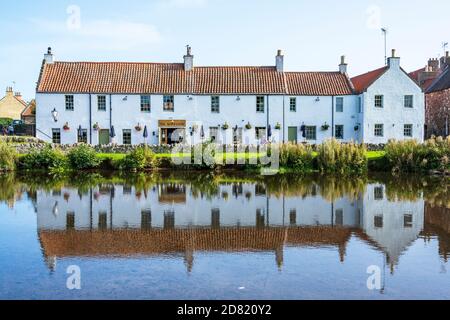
{"x":260,"y":104}
{"x":379,"y":130}
{"x":101,"y":103}
{"x":126,"y":137}
{"x":407,"y":220}
{"x":408,"y":130}
{"x":378,"y":193}
{"x":293,"y":104}
{"x":340,"y":104}
{"x":378,"y":221}
{"x":215,"y":104}
{"x":409,"y":101}
{"x":145,"y":104}
{"x":360,"y":105}
{"x":379,"y":101}
{"x":56,"y":136}
{"x":214,"y":134}
{"x":169,"y":103}
{"x":69,"y":103}
{"x":339,"y":132}
{"x":260,"y":132}
{"x":311,"y":133}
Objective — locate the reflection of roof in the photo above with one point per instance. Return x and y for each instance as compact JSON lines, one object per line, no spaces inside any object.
{"x":159,"y":241}
{"x":438,"y":223}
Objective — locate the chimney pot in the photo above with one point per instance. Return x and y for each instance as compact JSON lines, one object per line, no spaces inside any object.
{"x":447,"y":54}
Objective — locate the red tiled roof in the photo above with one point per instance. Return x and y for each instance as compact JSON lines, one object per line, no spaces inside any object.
{"x":364,"y":81}
{"x":28,"y":111}
{"x":313,"y":83}
{"x":415,"y":74}
{"x":119,"y":77}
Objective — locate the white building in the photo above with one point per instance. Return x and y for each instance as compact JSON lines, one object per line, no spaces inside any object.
{"x":163,"y":103}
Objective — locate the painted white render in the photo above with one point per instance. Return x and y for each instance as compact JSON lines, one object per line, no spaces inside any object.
{"x":393,"y":85}
{"x":358,"y":118}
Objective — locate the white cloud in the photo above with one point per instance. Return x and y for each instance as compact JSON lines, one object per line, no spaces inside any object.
{"x":105,"y":34}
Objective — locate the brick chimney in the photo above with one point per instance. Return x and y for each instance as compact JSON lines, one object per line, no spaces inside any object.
{"x":445,"y":61}
{"x":188,"y":59}
{"x":18,"y":95}
{"x":394,"y":61}
{"x":433,"y":65}
{"x":48,"y":57}
{"x":279,"y":61}
{"x":343,"y":66}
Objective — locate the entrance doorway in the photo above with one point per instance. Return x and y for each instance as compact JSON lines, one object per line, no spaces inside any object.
{"x":103,"y":137}
{"x":292,"y":134}
{"x":172,"y":131}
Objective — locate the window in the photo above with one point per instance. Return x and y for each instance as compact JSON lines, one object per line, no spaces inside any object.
{"x":56,"y":136}
{"x":310,"y":133}
{"x":408,"y":130}
{"x":146,"y":219}
{"x":215,"y":218}
{"x":408,"y":221}
{"x":379,"y":101}
{"x":260,"y":104}
{"x":101,"y":103}
{"x":215,"y":104}
{"x":69,"y":103}
{"x":145,"y":104}
{"x":378,"y":221}
{"x":293,"y":104}
{"x":339,"y":132}
{"x":260,"y":132}
{"x":169,"y":104}
{"x":378,"y":193}
{"x":409,"y":101}
{"x":360,"y":105}
{"x":102,"y":220}
{"x":126,"y":137}
{"x":237,"y":136}
{"x":70,"y":220}
{"x":339,"y":217}
{"x":379,"y":130}
{"x":293,"y":217}
{"x":340,"y":104}
{"x":213,"y":134}
{"x":82,"y":136}
{"x":127,"y":190}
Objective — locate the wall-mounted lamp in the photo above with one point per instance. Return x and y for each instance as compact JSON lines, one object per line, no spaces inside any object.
{"x":154,"y":133}
{"x":238,"y":98}
{"x":125,"y":98}
{"x":190,"y":98}
{"x":318,"y":99}
{"x":55,"y":115}
{"x":55,"y":209}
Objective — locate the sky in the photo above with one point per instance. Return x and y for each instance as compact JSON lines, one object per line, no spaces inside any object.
{"x":313,"y":34}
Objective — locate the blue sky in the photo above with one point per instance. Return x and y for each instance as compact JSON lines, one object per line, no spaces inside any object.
{"x":312,"y":34}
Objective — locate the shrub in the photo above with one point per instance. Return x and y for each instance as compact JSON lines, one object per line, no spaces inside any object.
{"x":8,"y":156}
{"x":336,"y":157}
{"x":83,"y":157}
{"x":296,"y":156}
{"x":53,"y":160}
{"x":141,"y":158}
{"x":411,"y":156}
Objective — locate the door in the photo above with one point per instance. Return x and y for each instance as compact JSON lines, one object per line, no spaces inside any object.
{"x":292,"y":134}
{"x":103,"y":137}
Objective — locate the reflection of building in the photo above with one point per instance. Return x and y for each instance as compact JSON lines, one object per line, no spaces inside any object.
{"x":438,"y":223}
{"x":120,"y":220}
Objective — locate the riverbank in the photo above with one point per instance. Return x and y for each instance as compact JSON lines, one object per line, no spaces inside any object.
{"x":431,"y":157}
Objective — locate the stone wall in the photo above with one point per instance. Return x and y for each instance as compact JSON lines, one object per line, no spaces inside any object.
{"x":437,"y":113}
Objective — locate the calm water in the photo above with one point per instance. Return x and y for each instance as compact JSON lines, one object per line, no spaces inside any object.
{"x":195,"y":236}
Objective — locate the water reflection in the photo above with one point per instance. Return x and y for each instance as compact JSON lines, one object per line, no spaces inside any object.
{"x":156,"y":215}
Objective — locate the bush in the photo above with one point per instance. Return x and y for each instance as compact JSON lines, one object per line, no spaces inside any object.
{"x":297,"y":156}
{"x":411,"y":156}
{"x":83,"y":157}
{"x":336,"y":157}
{"x":141,"y":158}
{"x":53,"y":160}
{"x":8,"y":156}
{"x":5,"y":121}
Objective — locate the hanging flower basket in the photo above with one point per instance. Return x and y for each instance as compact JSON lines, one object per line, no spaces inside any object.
{"x":356,"y":128}
{"x":66,"y":127}
{"x":96,"y":127}
{"x":225,"y":126}
{"x":325,"y":127}
{"x":278,"y":126}
{"x":138,"y":128}
{"x":248,"y":126}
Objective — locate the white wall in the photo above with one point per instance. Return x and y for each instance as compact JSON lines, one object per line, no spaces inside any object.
{"x":394,"y":85}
